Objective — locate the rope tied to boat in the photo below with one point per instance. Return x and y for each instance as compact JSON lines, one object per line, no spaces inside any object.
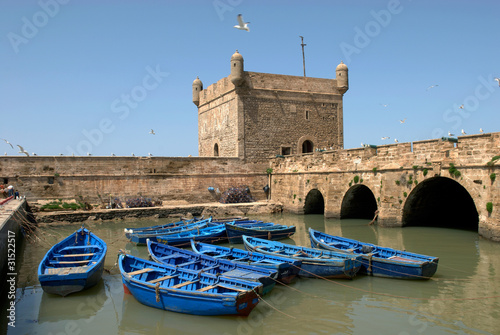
{"x":369,"y":270}
{"x":157,"y":291}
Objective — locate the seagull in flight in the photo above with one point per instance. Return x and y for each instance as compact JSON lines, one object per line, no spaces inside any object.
{"x":461,"y":106}
{"x":152,"y":132}
{"x":22,"y":151}
{"x":403,"y":121}
{"x":450,"y":134}
{"x":385,"y":138}
{"x":463,"y":132}
{"x":385,"y":105}
{"x":241,"y":24}
{"x":498,"y":81}
{"x":396,"y":140}
{"x":432,"y":86}
{"x":8,"y":143}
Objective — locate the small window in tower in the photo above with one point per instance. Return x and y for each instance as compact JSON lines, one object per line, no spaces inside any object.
{"x":285,"y":151}
{"x":307,"y":115}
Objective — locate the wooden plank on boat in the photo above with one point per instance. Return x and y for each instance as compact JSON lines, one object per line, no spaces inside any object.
{"x":232,"y":288}
{"x":184,"y":284}
{"x":66,"y":270}
{"x":133,"y":273}
{"x":154,"y":281}
{"x":75,"y":255}
{"x":71,"y":262}
{"x":204,"y":289}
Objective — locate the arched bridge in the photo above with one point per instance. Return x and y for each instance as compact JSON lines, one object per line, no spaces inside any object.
{"x":437,"y":182}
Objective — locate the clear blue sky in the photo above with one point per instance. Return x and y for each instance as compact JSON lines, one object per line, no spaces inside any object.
{"x":67,"y":67}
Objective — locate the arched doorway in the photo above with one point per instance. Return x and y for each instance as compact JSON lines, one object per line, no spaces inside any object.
{"x":315,"y":203}
{"x":440,"y":202}
{"x":307,"y":146}
{"x":358,"y":203}
{"x":216,"y":150}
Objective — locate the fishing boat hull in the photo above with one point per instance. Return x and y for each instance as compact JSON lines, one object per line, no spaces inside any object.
{"x":286,"y":268}
{"x":185,"y":292}
{"x":216,"y":234}
{"x":140,"y":238}
{"x":379,"y":261}
{"x":74,"y":264}
{"x":315,"y":263}
{"x":180,"y":258}
{"x":267,"y":231}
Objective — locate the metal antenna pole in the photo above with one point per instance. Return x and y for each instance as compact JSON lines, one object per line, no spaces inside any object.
{"x":303,"y":55}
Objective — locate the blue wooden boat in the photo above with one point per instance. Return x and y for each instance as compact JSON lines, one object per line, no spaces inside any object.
{"x":215,"y":234}
{"x":73,"y":264}
{"x":185,"y":291}
{"x":162,"y":226}
{"x":176,"y":257}
{"x":316,"y":263}
{"x":265,"y":230}
{"x":379,"y":261}
{"x":287,"y":268}
{"x":141,"y":237}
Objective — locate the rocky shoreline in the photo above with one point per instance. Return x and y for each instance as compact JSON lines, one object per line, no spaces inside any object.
{"x":166,"y":211}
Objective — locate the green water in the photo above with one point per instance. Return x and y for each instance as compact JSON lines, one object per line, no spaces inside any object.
{"x":462,"y":298}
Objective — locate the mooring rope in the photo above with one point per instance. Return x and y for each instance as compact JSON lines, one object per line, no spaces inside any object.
{"x":262,"y":299}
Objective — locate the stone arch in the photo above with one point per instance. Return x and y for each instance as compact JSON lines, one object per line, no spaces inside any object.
{"x":358,"y":203}
{"x":216,"y":150}
{"x":314,"y":203}
{"x":305,"y":145}
{"x":440,"y":202}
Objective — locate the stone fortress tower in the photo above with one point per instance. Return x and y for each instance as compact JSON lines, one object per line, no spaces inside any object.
{"x":261,"y":115}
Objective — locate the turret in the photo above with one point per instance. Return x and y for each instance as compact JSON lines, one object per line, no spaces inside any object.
{"x":197,"y":88}
{"x":237,"y":69}
{"x":342,"y":77}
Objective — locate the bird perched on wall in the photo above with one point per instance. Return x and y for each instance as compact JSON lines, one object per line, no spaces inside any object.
{"x":89,"y":154}
{"x":481,"y":130}
{"x":241,"y":24}
{"x":8,"y":143}
{"x":152,"y":132}
{"x":22,"y":151}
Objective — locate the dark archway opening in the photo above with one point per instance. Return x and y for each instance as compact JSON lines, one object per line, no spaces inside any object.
{"x":315,"y":203}
{"x":216,"y":150}
{"x":307,"y":146}
{"x":440,"y":202}
{"x":358,"y":203}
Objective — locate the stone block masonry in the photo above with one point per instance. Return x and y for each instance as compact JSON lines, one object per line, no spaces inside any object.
{"x":93,"y":178}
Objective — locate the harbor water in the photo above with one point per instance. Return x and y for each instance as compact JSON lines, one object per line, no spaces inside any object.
{"x":463,"y":297}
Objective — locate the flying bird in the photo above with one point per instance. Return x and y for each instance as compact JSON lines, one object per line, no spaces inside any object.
{"x":8,"y":143}
{"x":461,"y":106}
{"x":152,"y":132}
{"x":385,"y":105}
{"x":150,"y":154}
{"x":450,"y":134}
{"x":396,"y":140}
{"x":403,"y":121}
{"x":463,"y":132}
{"x":22,"y":151}
{"x":428,"y":88}
{"x":241,"y":24}
{"x":498,"y":81}
{"x":385,"y":138}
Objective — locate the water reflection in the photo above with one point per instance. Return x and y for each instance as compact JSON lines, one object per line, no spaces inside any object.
{"x":463,"y":296}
